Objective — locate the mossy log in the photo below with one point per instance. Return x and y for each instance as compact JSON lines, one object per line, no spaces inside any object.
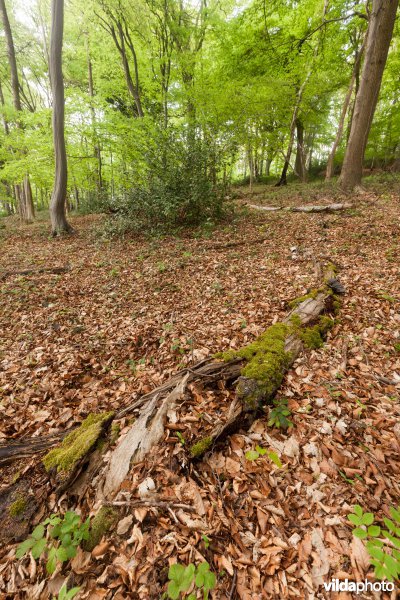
{"x":269,"y":357}
{"x":323,"y":208}
{"x":256,"y":370}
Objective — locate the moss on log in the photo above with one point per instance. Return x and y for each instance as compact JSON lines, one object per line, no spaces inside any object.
{"x":76,"y":445}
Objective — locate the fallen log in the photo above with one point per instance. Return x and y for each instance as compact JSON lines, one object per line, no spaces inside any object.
{"x":323,"y":208}
{"x":273,"y":353}
{"x":257,"y":370}
{"x":51,"y":270}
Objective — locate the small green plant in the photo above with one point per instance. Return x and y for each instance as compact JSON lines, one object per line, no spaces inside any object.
{"x":260,"y":451}
{"x":206,"y":541}
{"x":278,"y":415}
{"x":181,"y":579}
{"x":57,"y":537}
{"x":114,"y":273}
{"x":162,"y":267}
{"x":132,"y":365}
{"x":383,"y":545}
{"x":65,"y":594}
{"x":180,"y":438}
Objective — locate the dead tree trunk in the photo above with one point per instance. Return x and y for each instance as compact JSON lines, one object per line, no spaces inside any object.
{"x":59,"y":223}
{"x":381,"y":25}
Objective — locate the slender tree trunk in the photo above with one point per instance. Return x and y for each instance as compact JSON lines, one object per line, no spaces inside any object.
{"x":59,"y":223}
{"x":26,"y":212}
{"x":300,"y":164}
{"x":382,"y":20}
{"x":97,"y":150}
{"x":11,"y":56}
{"x":346,"y":103}
{"x":28,"y":200}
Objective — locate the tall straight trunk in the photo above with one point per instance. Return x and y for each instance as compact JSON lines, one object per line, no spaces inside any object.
{"x":300,"y":164}
{"x":346,"y":103}
{"x":97,"y":150}
{"x":283,"y":177}
{"x":11,"y":56}
{"x":25,"y":203}
{"x":28,"y":200}
{"x":381,"y":25}
{"x":59,"y":223}
{"x":299,"y":98}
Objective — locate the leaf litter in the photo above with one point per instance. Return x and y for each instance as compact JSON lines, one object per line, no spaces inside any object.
{"x":128,"y":315}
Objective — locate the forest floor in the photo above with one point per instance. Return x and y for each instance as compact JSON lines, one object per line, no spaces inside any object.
{"x":130,"y":313}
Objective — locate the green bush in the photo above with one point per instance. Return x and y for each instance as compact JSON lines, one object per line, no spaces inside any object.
{"x":180,"y":190}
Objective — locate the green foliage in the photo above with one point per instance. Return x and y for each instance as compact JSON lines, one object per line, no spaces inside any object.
{"x":278,"y":416}
{"x":182,"y":578}
{"x":65,"y":594}
{"x":57,"y":537}
{"x":176,"y":192}
{"x":259,"y":451}
{"x":383,"y":545}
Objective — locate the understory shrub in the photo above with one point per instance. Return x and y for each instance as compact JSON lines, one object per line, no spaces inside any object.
{"x":180,"y":189}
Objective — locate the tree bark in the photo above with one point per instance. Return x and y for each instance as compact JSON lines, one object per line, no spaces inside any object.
{"x":300,"y":164}
{"x":11,"y":57}
{"x":346,"y":103}
{"x":97,"y":150}
{"x":24,"y":194}
{"x":381,"y":25}
{"x":59,"y":223}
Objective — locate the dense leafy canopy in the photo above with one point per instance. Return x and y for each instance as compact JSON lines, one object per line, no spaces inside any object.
{"x":150,"y":81}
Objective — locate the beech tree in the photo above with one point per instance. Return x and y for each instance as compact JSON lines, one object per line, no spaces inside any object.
{"x":380,"y":33}
{"x":23,"y":192}
{"x":59,"y":223}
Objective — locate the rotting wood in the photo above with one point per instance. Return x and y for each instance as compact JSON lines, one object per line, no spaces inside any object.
{"x":252,"y":392}
{"x":148,"y":429}
{"x":328,"y":208}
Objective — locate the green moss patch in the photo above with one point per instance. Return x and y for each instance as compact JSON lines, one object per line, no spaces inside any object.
{"x":267,"y":362}
{"x":77,"y":444}
{"x":313,"y":337}
{"x":200,"y":447}
{"x":312,"y":294}
{"x":18,"y":507}
{"x":101,"y":523}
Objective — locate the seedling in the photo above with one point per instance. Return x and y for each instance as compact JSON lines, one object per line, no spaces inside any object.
{"x":57,"y":537}
{"x":259,"y":451}
{"x":65,"y":594}
{"x":383,"y":545}
{"x":278,"y":415}
{"x":182,"y":578}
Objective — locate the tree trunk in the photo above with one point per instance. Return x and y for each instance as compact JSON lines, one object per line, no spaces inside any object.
{"x":97,"y":150}
{"x":346,"y":103}
{"x":11,"y":56}
{"x":26,"y":212}
{"x":59,"y":223}
{"x":300,"y":164}
{"x":28,"y":201}
{"x":380,"y":33}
